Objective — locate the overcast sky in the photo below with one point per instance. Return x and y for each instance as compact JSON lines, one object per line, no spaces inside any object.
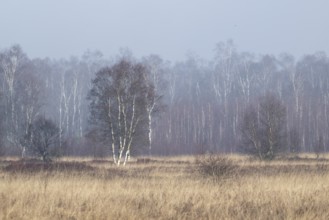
{"x":169,"y":28}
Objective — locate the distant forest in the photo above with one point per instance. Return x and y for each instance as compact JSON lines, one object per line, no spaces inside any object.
{"x":203,"y":101}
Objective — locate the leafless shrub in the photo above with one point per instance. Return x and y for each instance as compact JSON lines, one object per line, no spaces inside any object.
{"x":215,"y":166}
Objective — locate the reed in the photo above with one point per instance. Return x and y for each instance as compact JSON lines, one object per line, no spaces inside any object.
{"x":168,"y":189}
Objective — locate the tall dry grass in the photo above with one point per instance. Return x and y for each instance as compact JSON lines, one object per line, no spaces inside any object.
{"x":169,"y":190}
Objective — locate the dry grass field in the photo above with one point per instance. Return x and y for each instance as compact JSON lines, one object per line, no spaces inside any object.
{"x":164,"y":188}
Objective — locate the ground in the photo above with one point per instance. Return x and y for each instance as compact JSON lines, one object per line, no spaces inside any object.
{"x":164,"y":188}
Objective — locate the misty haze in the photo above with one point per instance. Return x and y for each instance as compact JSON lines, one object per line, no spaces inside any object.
{"x":164,"y":110}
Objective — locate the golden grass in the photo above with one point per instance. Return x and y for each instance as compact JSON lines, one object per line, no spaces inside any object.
{"x":169,"y":190}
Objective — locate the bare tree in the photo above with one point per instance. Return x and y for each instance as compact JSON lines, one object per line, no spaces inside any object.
{"x":156,"y":86}
{"x":319,"y":147}
{"x":250,"y":133}
{"x":263,"y":131}
{"x":29,"y":103}
{"x":21,"y":91}
{"x":42,"y":138}
{"x":118,"y":105}
{"x":12,"y":62}
{"x":294,"y":140}
{"x":272,"y":116}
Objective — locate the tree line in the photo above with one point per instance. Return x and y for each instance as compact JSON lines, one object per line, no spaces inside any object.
{"x":187,"y":107}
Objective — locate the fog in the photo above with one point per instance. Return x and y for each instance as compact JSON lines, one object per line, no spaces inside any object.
{"x":188,"y":75}
{"x":169,"y":28}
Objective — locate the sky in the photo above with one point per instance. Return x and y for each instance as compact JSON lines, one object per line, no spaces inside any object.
{"x":169,"y":28}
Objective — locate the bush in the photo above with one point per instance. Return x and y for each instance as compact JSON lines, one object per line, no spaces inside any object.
{"x":215,"y":166}
{"x":42,"y":139}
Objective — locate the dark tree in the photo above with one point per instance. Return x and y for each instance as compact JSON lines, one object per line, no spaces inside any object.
{"x":263,"y":131}
{"x":250,"y":133}
{"x":272,"y":117}
{"x":42,"y":138}
{"x":319,"y":147}
{"x":294,"y":140}
{"x":118,"y":104}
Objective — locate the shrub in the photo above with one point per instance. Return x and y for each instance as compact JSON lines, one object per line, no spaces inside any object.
{"x":215,"y":166}
{"x":42,"y":139}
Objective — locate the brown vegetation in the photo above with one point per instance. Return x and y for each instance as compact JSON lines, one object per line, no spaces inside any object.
{"x":33,"y":166}
{"x":94,"y":189}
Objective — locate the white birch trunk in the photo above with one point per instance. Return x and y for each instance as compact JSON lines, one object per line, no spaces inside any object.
{"x":112,"y":134}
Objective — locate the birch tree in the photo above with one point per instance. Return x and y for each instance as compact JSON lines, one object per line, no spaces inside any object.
{"x":12,"y":63}
{"x":21,"y":95}
{"x":29,"y":103}
{"x":118,"y":106}
{"x":156,"y":86}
